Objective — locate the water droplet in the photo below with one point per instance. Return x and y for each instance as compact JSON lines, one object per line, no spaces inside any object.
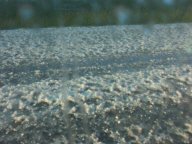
{"x":168,"y":2}
{"x":122,"y":15}
{"x":26,"y":12}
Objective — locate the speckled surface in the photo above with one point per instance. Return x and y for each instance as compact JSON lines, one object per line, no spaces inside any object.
{"x":111,"y":84}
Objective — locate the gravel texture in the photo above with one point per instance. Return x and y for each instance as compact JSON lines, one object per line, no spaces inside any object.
{"x":111,"y":84}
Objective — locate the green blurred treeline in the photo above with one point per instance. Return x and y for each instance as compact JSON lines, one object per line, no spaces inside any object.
{"x":47,"y":13}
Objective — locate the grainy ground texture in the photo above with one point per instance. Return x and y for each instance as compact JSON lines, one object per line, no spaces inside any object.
{"x":96,"y":85}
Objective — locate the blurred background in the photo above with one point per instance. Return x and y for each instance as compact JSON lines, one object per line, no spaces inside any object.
{"x":59,"y":13}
